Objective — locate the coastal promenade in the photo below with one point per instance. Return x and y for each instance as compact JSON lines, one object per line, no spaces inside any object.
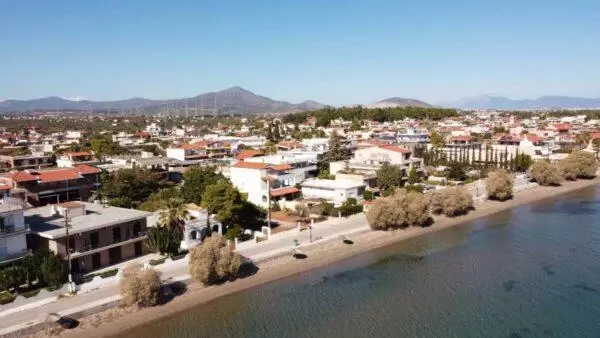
{"x":108,"y":292}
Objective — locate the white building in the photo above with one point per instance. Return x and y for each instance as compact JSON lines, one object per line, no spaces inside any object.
{"x":153,"y":129}
{"x":251,"y":178}
{"x":334,"y":191}
{"x":13,"y":244}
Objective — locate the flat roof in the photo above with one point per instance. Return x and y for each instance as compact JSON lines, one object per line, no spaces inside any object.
{"x":43,"y":223}
{"x":331,"y":184}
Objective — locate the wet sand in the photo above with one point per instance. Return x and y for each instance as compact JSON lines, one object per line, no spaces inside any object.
{"x":118,"y":321}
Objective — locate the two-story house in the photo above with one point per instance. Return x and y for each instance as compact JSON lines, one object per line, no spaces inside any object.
{"x":98,"y":235}
{"x":70,"y":160}
{"x":27,"y":161}
{"x":13,"y":231}
{"x":54,"y":186}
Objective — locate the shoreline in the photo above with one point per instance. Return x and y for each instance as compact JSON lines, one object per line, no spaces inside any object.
{"x":121,"y":321}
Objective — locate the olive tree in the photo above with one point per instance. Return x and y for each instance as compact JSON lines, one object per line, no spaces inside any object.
{"x":213,"y":262}
{"x":451,"y":202}
{"x":499,"y":185}
{"x":400,"y":210}
{"x":579,"y":164}
{"x":139,"y":286}
{"x":545,"y":173}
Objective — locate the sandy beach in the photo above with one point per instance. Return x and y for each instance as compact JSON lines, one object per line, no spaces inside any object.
{"x":116,"y":322}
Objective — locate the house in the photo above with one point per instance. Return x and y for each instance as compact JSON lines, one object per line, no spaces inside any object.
{"x":51,"y":186}
{"x":199,"y":150}
{"x":413,"y":135}
{"x":334,"y":191}
{"x":196,"y":228}
{"x":70,"y":160}
{"x":460,"y":141}
{"x":252,"y":178}
{"x":13,"y":231}
{"x":98,"y":235}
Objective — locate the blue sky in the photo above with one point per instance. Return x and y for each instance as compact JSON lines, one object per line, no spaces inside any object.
{"x":332,"y":51}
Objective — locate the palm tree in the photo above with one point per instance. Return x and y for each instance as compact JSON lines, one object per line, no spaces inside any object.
{"x":173,"y":215}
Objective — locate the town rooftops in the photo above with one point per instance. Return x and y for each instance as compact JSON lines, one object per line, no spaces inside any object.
{"x":251,"y":165}
{"x":45,"y":222}
{"x":51,"y":175}
{"x":248,"y":153}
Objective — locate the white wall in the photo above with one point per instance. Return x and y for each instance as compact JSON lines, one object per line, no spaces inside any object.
{"x":176,"y":153}
{"x":250,"y":181}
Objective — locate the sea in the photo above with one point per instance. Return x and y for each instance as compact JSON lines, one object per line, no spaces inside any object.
{"x":533,"y":271}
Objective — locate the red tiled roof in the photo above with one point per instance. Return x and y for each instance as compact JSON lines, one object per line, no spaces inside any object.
{"x":396,"y":149}
{"x":284,"y":191}
{"x":251,"y":165}
{"x":86,"y":169}
{"x":461,"y":138}
{"x":142,"y":134}
{"x":532,"y":137}
{"x":562,"y":126}
{"x":80,"y":153}
{"x":5,"y":185}
{"x":247,"y":154}
{"x":57,"y":175}
{"x":595,"y":135}
{"x":192,"y":146}
{"x":290,"y":145}
{"x":69,"y":205}
{"x":21,"y":176}
{"x":283,"y":166}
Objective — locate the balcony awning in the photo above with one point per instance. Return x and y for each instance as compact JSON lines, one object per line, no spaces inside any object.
{"x":284,"y":191}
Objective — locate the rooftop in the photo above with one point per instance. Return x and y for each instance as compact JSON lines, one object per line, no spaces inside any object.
{"x":46,"y":224}
{"x":331,"y":184}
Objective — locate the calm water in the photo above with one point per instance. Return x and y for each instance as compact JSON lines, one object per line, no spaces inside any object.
{"x":531,"y":272}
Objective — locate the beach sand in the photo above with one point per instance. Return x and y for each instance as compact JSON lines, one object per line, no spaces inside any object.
{"x":124,"y":319}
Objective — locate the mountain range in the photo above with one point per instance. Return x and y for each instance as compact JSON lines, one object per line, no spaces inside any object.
{"x":394,"y":102}
{"x":239,"y":101}
{"x":234,"y":100}
{"x":543,"y":102}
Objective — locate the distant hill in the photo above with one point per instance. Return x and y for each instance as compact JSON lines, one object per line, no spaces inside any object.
{"x":500,"y":102}
{"x":234,"y":100}
{"x":394,"y":102}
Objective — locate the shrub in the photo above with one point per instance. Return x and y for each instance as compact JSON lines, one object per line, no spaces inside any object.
{"x":545,"y":173}
{"x":499,"y":185}
{"x":414,"y":187}
{"x":234,"y":232}
{"x":12,"y":277}
{"x":108,"y":273}
{"x":163,"y":240}
{"x":139,"y":286}
{"x":213,"y":262}
{"x":368,"y":195}
{"x":451,"y":201}
{"x":400,"y":210}
{"x":335,"y":212}
{"x":6,"y":298}
{"x":301,"y":210}
{"x":54,"y":271}
{"x":179,"y":256}
{"x":579,"y":164}
{"x":350,"y":207}
{"x":456,"y":171}
{"x":154,"y":262}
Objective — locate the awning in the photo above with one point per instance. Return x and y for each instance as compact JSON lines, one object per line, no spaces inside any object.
{"x":284,"y":191}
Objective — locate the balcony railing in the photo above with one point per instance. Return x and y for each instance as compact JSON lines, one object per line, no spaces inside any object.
{"x":8,"y":230}
{"x":87,"y":245}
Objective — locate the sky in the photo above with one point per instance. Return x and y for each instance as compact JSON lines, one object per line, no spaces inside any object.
{"x":332,"y":51}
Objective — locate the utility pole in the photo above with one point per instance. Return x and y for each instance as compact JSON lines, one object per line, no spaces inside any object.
{"x":71,"y":285}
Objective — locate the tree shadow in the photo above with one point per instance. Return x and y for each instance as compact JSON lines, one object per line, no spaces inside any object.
{"x":170,"y":291}
{"x":300,"y":256}
{"x":348,"y":241}
{"x":429,"y":222}
{"x":247,"y":269}
{"x":67,"y":322}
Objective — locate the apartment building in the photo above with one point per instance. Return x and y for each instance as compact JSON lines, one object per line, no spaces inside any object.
{"x":39,"y":187}
{"x":99,"y":235}
{"x":13,"y":231}
{"x":71,"y":160}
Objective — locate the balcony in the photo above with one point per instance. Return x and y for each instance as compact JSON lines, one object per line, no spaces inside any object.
{"x":12,"y":230}
{"x":87,"y":247}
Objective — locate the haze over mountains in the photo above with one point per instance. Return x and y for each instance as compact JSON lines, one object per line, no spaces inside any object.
{"x":236,"y":100}
{"x":500,"y":102}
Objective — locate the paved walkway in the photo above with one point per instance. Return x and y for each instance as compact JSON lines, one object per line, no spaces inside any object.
{"x":178,"y":270}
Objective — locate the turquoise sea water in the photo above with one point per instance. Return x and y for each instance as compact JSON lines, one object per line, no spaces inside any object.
{"x":533,"y":271}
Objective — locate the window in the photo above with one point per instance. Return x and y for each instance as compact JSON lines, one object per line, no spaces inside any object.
{"x":264,"y":198}
{"x":194,"y":235}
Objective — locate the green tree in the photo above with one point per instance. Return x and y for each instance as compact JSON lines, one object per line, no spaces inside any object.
{"x":456,"y":171}
{"x":54,"y":271}
{"x":127,"y":187}
{"x":173,"y":215}
{"x":336,"y":151}
{"x":196,"y":179}
{"x":436,"y":139}
{"x":389,"y":176}
{"x":159,"y":199}
{"x":522,"y":162}
{"x":413,"y":177}
{"x":162,"y":240}
{"x":355,"y":126}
